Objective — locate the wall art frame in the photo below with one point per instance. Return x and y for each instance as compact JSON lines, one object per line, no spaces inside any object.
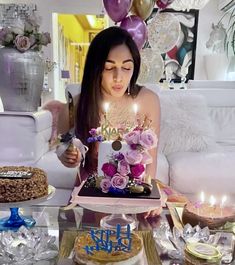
{"x":179,"y":62}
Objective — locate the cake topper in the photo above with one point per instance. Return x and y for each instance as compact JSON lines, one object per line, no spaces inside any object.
{"x":15,"y":174}
{"x":110,"y":240}
{"x":109,"y":132}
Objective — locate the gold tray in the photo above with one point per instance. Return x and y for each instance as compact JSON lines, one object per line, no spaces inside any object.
{"x":152,"y":256}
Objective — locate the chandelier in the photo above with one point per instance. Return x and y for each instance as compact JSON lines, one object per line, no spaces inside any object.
{"x":188,"y":4}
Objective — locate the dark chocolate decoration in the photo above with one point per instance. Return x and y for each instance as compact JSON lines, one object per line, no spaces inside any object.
{"x":116,"y":145}
{"x":95,"y":192}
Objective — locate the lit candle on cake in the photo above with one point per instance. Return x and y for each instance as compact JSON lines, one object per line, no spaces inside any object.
{"x":202,"y":197}
{"x":223,"y":200}
{"x":106,"y":108}
{"x":135,"y":108}
{"x":200,"y":203}
{"x":212,"y":203}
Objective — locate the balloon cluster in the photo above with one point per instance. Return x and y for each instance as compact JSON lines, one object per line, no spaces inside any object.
{"x":140,"y":10}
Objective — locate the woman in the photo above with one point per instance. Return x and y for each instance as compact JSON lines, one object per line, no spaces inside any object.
{"x":111,"y":71}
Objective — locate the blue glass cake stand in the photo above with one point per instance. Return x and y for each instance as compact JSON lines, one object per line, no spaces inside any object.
{"x":16,"y":220}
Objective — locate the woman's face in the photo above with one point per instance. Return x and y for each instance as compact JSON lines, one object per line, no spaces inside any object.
{"x":118,"y":71}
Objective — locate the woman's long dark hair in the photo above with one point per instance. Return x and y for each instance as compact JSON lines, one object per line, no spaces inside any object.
{"x":91,"y":96}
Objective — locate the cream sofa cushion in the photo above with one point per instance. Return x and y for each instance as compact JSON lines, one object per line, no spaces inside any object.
{"x":185,"y":123}
{"x":24,"y":136}
{"x":223,"y":119}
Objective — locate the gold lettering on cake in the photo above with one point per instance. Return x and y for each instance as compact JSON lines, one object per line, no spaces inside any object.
{"x":110,"y":133}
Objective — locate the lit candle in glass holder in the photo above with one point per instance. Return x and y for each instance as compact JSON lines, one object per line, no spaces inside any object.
{"x":212,"y":203}
{"x":223,"y":200}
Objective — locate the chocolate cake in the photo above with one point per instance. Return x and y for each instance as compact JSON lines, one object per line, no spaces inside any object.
{"x":206,"y":215}
{"x":22,"y":183}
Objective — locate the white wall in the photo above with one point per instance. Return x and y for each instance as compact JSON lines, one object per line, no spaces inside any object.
{"x":207,"y":15}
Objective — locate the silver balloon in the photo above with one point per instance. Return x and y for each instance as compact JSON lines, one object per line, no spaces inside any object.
{"x":163,"y":32}
{"x":152,"y":66}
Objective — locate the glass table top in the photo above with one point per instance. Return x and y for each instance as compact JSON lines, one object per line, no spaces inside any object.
{"x":57,"y":221}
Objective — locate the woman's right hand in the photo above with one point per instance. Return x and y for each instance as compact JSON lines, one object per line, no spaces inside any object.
{"x":71,"y":157}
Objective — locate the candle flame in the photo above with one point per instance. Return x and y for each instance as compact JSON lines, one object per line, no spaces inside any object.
{"x":202,"y":197}
{"x":106,"y":107}
{"x":135,"y":107}
{"x":212,"y":200}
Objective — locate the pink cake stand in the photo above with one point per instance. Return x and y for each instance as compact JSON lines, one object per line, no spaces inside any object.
{"x":118,"y":208}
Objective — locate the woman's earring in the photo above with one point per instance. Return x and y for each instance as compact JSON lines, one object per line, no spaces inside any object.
{"x":128,"y":90}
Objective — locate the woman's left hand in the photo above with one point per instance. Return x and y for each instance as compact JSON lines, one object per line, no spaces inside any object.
{"x":153,"y":213}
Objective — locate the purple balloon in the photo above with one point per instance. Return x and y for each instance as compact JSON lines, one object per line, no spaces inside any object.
{"x":117,"y":9}
{"x":137,"y":29}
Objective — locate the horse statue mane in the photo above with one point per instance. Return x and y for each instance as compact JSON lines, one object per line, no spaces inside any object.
{"x":217,"y":38}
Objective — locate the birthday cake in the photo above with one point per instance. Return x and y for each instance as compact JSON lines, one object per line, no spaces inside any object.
{"x":122,"y":158}
{"x":106,"y":247}
{"x":22,"y":183}
{"x":207,"y":215}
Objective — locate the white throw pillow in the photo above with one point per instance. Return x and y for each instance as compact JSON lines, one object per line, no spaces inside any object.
{"x":185,"y":123}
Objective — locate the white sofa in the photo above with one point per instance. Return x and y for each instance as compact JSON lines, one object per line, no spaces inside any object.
{"x":197,"y":166}
{"x":194,"y":155}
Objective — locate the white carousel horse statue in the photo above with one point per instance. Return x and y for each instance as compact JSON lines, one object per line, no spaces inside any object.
{"x":217,"y":38}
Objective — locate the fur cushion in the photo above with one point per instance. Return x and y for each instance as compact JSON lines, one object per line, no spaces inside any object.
{"x":55,"y":107}
{"x":185,"y":124}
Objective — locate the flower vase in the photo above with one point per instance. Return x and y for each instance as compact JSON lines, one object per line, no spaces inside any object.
{"x":22,"y":76}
